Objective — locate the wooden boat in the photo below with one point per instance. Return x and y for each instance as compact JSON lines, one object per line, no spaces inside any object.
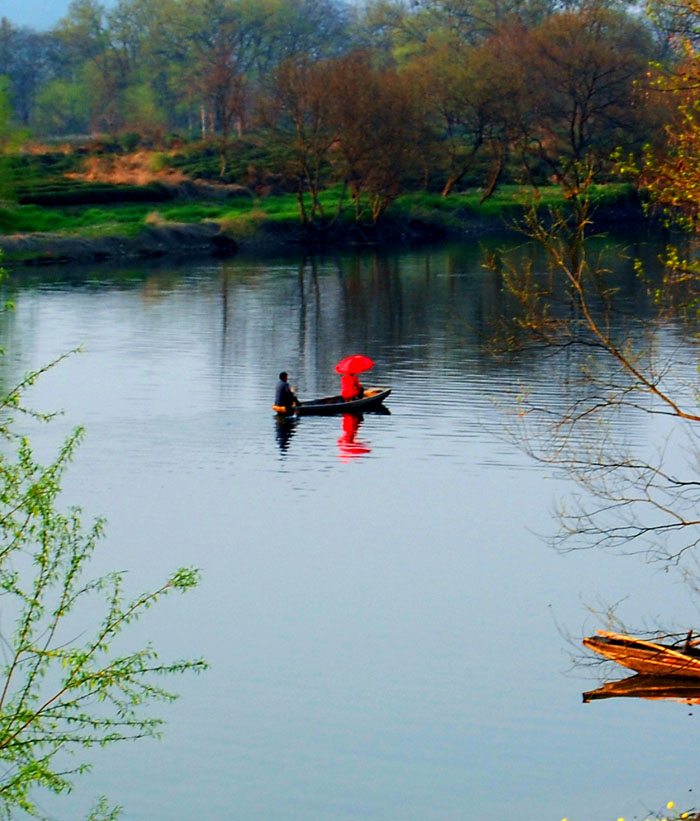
{"x":648,"y":657}
{"x":655,"y":688}
{"x":371,"y":400}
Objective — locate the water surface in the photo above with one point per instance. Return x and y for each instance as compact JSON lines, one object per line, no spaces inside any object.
{"x":384,"y":620}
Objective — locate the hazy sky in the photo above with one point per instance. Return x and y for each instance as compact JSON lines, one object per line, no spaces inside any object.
{"x":39,"y":14}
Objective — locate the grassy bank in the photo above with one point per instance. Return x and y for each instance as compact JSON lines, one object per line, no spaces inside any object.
{"x":261,"y":221}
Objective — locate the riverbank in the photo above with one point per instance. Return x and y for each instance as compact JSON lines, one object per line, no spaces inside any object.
{"x":193,"y":224}
{"x":167,"y":240}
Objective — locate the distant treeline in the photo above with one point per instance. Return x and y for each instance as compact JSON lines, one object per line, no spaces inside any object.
{"x":380,"y":97}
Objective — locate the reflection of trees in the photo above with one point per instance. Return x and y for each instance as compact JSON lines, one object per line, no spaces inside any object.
{"x":429,"y":305}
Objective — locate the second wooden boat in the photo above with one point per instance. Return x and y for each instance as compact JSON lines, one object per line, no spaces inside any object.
{"x":649,"y":657}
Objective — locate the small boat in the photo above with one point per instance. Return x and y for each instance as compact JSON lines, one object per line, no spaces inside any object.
{"x":655,"y":688}
{"x":648,"y":657}
{"x":371,"y":400}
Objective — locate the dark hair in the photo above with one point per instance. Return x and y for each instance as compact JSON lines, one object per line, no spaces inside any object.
{"x":283,"y":375}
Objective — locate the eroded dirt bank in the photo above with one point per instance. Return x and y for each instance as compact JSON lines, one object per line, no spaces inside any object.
{"x":154,"y":241}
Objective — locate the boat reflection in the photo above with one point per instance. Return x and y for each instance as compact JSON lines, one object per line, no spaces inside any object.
{"x":285,"y":426}
{"x":348,"y":445}
{"x":675,"y":688}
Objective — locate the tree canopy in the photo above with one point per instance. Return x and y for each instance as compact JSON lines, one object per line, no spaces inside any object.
{"x":523,"y":89}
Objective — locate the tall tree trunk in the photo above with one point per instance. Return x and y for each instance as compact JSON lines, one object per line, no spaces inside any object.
{"x":495,"y":176}
{"x":302,"y":204}
{"x":457,"y":176}
{"x":528,"y":174}
{"x":451,"y":182}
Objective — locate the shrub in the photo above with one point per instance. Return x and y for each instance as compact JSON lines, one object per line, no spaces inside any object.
{"x":129,"y":141}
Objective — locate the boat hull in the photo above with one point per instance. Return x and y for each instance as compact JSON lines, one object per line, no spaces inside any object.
{"x":372,"y":400}
{"x":645,"y":657}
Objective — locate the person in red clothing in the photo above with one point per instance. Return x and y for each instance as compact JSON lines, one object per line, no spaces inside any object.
{"x":350,"y":387}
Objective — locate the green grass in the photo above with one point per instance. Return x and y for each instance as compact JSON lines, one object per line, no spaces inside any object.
{"x":92,"y":219}
{"x":248,"y":214}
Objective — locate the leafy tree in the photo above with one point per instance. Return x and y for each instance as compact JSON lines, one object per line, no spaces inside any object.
{"x":298,"y":114}
{"x":669,"y":171}
{"x":58,"y":693}
{"x":403,"y":29}
{"x":476,"y":93}
{"x":25,"y":60}
{"x":10,"y":138}
{"x":447,"y":77}
{"x":300,"y":29}
{"x":376,"y":145}
{"x":583,"y":69}
{"x":63,"y":107}
{"x":89,"y":59}
{"x":142,"y":113}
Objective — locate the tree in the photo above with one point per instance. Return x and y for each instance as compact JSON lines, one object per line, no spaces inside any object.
{"x":447,"y":77}
{"x":59,"y":693}
{"x":62,"y":107}
{"x":301,"y":29}
{"x":584,"y":70}
{"x":10,"y":139}
{"x":297,"y":111}
{"x":403,"y":29}
{"x":376,"y":131}
{"x":89,"y":60}
{"x":478,"y":91}
{"x":630,"y":496}
{"x":24,"y":59}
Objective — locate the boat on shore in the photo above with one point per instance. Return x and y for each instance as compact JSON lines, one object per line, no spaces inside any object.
{"x":648,"y":657}
{"x":372,"y":399}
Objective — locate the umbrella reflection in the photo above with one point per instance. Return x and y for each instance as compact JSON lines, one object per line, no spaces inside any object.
{"x":676,"y":688}
{"x":348,"y":444}
{"x":285,"y":427}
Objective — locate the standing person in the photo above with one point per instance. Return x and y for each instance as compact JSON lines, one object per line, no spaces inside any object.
{"x":284,"y":395}
{"x":350,"y":387}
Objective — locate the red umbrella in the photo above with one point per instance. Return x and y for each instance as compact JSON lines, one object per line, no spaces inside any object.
{"x":357,"y":363}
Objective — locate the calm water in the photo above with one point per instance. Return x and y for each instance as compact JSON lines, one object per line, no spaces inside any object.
{"x":383,"y":621}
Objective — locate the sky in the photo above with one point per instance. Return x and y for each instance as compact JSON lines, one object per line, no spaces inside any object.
{"x":40,"y":15}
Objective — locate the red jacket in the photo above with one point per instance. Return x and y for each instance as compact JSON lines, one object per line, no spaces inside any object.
{"x":350,"y":387}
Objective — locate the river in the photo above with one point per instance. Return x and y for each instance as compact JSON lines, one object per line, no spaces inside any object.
{"x":386,"y":624}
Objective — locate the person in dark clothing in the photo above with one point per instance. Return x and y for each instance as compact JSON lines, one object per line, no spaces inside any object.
{"x":284,"y":395}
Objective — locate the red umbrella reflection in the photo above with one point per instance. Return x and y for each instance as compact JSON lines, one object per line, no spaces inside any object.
{"x":357,"y":363}
{"x":349,"y":447}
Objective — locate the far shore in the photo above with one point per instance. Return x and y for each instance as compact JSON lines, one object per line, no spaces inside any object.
{"x":260,"y":233}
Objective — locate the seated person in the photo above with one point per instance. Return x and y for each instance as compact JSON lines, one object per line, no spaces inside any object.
{"x":350,"y":387}
{"x":284,"y":395}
